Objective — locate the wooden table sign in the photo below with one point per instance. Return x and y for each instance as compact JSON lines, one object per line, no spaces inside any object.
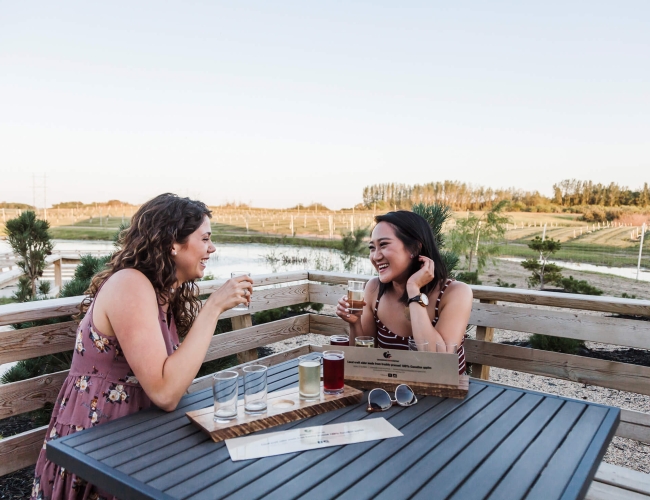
{"x":283,"y":407}
{"x":427,"y":373}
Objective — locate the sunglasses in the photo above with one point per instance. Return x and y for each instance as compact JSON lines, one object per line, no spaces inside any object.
{"x":380,"y":400}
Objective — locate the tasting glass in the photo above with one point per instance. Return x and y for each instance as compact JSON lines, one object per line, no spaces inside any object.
{"x":339,"y":340}
{"x":364,"y":341}
{"x":254,"y":389}
{"x":418,"y":346}
{"x":333,"y":371}
{"x":355,"y":295}
{"x":224,"y":390}
{"x":448,"y":348}
{"x":243,"y":306}
{"x":309,"y":377}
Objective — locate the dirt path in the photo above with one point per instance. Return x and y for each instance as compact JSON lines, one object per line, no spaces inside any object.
{"x":614,"y":286}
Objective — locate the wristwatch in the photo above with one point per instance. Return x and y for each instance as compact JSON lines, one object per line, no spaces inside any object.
{"x":421,"y":299}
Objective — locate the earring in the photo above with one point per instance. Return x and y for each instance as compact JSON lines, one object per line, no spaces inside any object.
{"x":173,"y":252}
{"x":411,"y":255}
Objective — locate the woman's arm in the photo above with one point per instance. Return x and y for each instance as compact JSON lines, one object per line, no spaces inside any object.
{"x":130,"y":305}
{"x":455,"y":308}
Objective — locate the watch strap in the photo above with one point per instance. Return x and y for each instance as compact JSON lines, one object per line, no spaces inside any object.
{"x":414,"y":299}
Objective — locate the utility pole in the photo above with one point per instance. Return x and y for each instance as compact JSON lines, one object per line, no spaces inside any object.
{"x":638,"y":265}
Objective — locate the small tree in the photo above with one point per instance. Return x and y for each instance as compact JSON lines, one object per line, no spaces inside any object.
{"x":480,"y":236}
{"x":29,"y":239}
{"x":543,"y":271}
{"x":353,"y":246}
{"x":436,"y":215}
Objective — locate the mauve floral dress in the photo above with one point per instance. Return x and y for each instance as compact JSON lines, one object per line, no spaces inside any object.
{"x":100,"y":388}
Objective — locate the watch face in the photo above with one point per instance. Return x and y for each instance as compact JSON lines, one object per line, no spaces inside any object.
{"x":424,"y":299}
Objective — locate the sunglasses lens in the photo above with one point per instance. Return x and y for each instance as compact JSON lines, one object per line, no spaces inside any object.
{"x":405,"y":395}
{"x":379,"y":400}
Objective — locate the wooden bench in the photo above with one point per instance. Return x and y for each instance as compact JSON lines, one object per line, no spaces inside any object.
{"x":495,"y":308}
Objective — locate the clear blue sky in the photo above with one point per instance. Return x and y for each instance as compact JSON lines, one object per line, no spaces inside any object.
{"x":285,"y":102}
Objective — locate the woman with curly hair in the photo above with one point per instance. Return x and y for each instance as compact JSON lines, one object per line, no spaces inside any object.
{"x":127,"y":353}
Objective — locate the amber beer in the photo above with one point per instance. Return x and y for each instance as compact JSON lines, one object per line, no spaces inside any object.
{"x":364,"y":342}
{"x":355,"y":295}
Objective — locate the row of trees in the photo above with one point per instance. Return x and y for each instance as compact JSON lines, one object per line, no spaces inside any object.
{"x":463,"y":196}
{"x":572,"y":192}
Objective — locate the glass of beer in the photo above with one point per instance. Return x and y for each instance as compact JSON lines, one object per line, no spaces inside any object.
{"x":339,"y":340}
{"x":355,"y":295}
{"x":333,"y":371}
{"x":364,"y":342}
{"x":418,"y":346}
{"x":448,"y":348}
{"x":309,"y":377}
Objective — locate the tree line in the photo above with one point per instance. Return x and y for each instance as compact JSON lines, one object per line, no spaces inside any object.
{"x":464,"y":196}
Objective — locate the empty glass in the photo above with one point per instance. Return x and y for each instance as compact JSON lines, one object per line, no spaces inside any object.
{"x":448,"y":348}
{"x":418,"y":346}
{"x":255,"y":389}
{"x":224,"y":390}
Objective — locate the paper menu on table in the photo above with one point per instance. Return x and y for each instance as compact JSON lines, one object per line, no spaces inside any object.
{"x":309,"y":438}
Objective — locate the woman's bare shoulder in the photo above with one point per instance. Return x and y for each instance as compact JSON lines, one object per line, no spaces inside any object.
{"x":129,"y":284}
{"x":372,"y":289}
{"x":460,"y":291}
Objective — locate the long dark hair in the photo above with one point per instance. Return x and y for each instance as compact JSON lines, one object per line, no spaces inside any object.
{"x":146,"y":246}
{"x":416,"y":234}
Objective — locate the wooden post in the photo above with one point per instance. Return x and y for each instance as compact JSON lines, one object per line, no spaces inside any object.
{"x":239,"y":322}
{"x":486,"y":334}
{"x":57,"y":273}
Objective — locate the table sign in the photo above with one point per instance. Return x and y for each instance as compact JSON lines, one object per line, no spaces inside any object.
{"x":427,"y":373}
{"x":309,"y":438}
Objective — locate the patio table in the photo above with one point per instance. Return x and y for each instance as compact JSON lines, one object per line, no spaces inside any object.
{"x":499,"y":442}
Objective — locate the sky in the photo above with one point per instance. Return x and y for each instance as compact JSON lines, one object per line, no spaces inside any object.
{"x":286,"y":102}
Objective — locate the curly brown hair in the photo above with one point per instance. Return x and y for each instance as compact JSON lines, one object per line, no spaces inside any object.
{"x":146,"y":246}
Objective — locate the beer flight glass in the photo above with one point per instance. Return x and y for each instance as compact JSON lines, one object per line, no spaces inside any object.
{"x":333,"y":371}
{"x":309,"y":377}
{"x":355,"y":295}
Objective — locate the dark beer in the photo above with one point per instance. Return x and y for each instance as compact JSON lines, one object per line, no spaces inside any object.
{"x":333,"y":371}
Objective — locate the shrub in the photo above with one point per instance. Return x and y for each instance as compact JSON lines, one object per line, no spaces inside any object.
{"x":504,"y":284}
{"x":556,"y":344}
{"x":594,"y":214}
{"x":469,"y":277}
{"x":571,"y":285}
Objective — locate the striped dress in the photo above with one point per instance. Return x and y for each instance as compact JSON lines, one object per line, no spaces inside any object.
{"x":388,"y":340}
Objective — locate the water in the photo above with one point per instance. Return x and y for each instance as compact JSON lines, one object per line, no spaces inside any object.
{"x":624,"y":272}
{"x":253,"y":257}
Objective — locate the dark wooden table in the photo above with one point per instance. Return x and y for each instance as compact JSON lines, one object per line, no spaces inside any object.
{"x":498,"y":443}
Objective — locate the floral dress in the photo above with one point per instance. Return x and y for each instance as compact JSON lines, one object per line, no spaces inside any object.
{"x":100,"y":388}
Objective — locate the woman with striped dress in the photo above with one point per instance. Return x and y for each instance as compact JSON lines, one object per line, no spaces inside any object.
{"x":413,"y":297}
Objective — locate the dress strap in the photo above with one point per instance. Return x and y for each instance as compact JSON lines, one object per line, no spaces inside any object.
{"x":442,"y":291}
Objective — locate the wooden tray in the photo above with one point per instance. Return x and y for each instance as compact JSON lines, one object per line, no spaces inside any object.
{"x":283,"y":406}
{"x":443,"y":391}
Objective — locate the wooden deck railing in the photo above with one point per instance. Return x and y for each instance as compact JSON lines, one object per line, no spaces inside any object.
{"x":527,"y":311}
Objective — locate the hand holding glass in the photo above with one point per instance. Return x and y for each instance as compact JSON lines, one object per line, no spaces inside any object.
{"x":243,"y":306}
